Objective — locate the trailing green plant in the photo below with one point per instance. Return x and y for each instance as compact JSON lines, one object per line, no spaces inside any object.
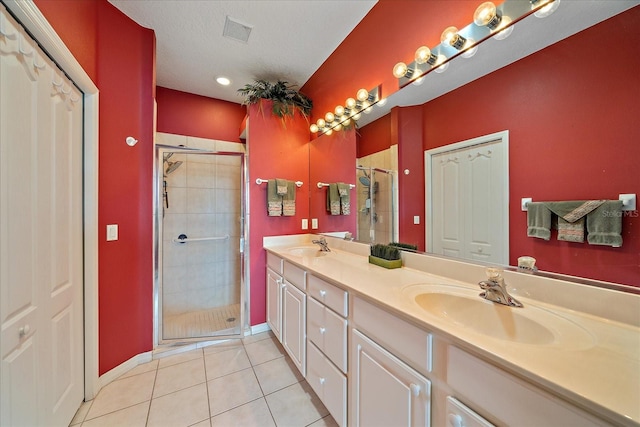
{"x":385,"y":252}
{"x":285,"y":97}
{"x":406,"y":246}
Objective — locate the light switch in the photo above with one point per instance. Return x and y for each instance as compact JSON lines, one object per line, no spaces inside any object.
{"x":305,"y":224}
{"x":314,"y":223}
{"x":416,"y":219}
{"x":112,"y":232}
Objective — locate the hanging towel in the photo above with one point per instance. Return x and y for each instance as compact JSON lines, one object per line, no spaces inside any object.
{"x":333,"y":199}
{"x":289,"y":200}
{"x":604,"y":224}
{"x":274,"y":201}
{"x":344,"y":191}
{"x":282,"y":186}
{"x":571,"y":218}
{"x":538,"y":221}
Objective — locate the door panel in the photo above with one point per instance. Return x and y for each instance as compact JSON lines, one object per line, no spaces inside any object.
{"x":41,"y":252}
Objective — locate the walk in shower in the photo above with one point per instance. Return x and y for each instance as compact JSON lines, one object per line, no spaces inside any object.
{"x":377,"y":215}
{"x":200,"y":234}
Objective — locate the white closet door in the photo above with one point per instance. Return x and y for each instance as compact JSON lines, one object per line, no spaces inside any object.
{"x":468,"y":201}
{"x":41,"y":353}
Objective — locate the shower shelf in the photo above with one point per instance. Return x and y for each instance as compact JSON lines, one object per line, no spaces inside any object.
{"x":184,"y":239}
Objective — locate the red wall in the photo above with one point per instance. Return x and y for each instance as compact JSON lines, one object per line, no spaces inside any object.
{"x":276,"y":150}
{"x":389,"y":33}
{"x":374,"y":137}
{"x":119,"y":56}
{"x":333,"y":159}
{"x":573,"y":134}
{"x":184,"y":113}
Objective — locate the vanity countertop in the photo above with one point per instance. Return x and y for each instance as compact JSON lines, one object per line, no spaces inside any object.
{"x":602,"y":376}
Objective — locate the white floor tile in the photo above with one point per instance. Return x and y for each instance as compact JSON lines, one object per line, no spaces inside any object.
{"x":226,"y":362}
{"x":264,"y":350}
{"x":277,"y":374}
{"x":178,"y":377}
{"x":296,"y":406}
{"x":180,"y":409}
{"x":233,"y":390}
{"x":133,"y":416}
{"x":180,"y":358}
{"x":252,"y":414}
{"x":122,"y":393}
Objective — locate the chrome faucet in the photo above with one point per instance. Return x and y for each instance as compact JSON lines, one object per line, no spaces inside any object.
{"x":495,"y":289}
{"x":324,"y":246}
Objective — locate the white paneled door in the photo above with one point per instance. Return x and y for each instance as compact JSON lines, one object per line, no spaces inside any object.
{"x":41,"y":347}
{"x":467,"y":198}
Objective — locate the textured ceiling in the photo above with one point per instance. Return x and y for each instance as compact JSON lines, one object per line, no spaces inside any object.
{"x":289,"y":40}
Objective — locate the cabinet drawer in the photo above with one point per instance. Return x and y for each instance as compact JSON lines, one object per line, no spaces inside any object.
{"x":495,"y":394}
{"x":328,"y":331}
{"x":274,"y":262}
{"x":408,"y":342}
{"x":331,"y":296}
{"x":329,"y":384}
{"x":459,"y":415}
{"x":295,"y":275}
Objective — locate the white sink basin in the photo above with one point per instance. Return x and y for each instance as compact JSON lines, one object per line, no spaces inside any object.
{"x":307,"y":251}
{"x":532,"y":325}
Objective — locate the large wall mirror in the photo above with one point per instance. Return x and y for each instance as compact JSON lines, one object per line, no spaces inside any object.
{"x":569,"y":107}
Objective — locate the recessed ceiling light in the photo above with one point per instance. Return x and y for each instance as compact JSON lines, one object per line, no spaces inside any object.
{"x":223,"y":81}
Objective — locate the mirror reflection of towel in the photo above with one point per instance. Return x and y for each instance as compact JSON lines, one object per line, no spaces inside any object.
{"x":604,"y":224}
{"x":333,"y":199}
{"x":344,"y":191}
{"x":571,"y":218}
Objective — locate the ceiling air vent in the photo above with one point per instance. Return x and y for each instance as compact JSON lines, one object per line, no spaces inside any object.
{"x":236,"y":30}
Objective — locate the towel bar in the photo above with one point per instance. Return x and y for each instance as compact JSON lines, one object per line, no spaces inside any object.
{"x":323,"y":184}
{"x":184,"y":239}
{"x":628,"y":202}
{"x":261,"y":181}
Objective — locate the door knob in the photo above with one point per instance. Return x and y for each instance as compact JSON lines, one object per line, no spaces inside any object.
{"x":24,"y":330}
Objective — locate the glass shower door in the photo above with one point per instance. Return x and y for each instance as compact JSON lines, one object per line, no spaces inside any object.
{"x":202,"y":267}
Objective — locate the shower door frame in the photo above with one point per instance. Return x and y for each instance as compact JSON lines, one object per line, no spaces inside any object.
{"x":158,"y":172}
{"x":390,"y":175}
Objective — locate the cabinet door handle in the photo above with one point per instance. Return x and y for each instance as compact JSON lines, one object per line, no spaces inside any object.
{"x":321,"y":381}
{"x":322,"y":330}
{"x":415,"y":389}
{"x":323,"y":293}
{"x":455,"y":420}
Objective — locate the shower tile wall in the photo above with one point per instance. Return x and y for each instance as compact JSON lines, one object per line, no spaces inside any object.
{"x":204,"y":201}
{"x":386,"y":212}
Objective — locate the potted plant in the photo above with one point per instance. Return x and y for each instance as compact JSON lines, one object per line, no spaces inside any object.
{"x":286,"y":100}
{"x":385,"y":256}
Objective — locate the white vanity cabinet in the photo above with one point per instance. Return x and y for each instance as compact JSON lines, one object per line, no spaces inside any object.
{"x":327,"y":307}
{"x":294,"y":309}
{"x":275,"y":284}
{"x":383,"y":388}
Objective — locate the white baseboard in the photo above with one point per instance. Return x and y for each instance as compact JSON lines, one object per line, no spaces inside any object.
{"x":256,"y":329}
{"x":122,"y":368}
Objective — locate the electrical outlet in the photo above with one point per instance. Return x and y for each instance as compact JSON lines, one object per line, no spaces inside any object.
{"x":112,"y":232}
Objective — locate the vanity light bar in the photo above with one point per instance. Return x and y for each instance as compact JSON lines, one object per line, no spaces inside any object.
{"x":343,"y":115}
{"x":489,"y":21}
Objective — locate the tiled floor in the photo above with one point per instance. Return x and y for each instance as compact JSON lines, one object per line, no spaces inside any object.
{"x":236,"y":383}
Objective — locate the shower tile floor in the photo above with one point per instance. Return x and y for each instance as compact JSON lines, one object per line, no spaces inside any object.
{"x":203,"y":323}
{"x":249,"y":382}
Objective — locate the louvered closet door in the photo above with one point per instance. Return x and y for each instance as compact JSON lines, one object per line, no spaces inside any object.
{"x":41,"y":235}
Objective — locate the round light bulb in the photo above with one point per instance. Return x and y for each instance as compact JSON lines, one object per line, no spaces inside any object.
{"x":329,"y":117}
{"x":486,"y":15}
{"x":321,"y":123}
{"x":356,"y":116}
{"x":346,"y":122}
{"x":339,"y":110}
{"x":423,"y":53}
{"x":400,"y":70}
{"x":350,"y":103}
{"x":365,"y":105}
{"x":362,"y":95}
{"x":449,"y":35}
{"x":338,"y":127}
{"x":313,"y":128}
{"x":329,"y":132}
